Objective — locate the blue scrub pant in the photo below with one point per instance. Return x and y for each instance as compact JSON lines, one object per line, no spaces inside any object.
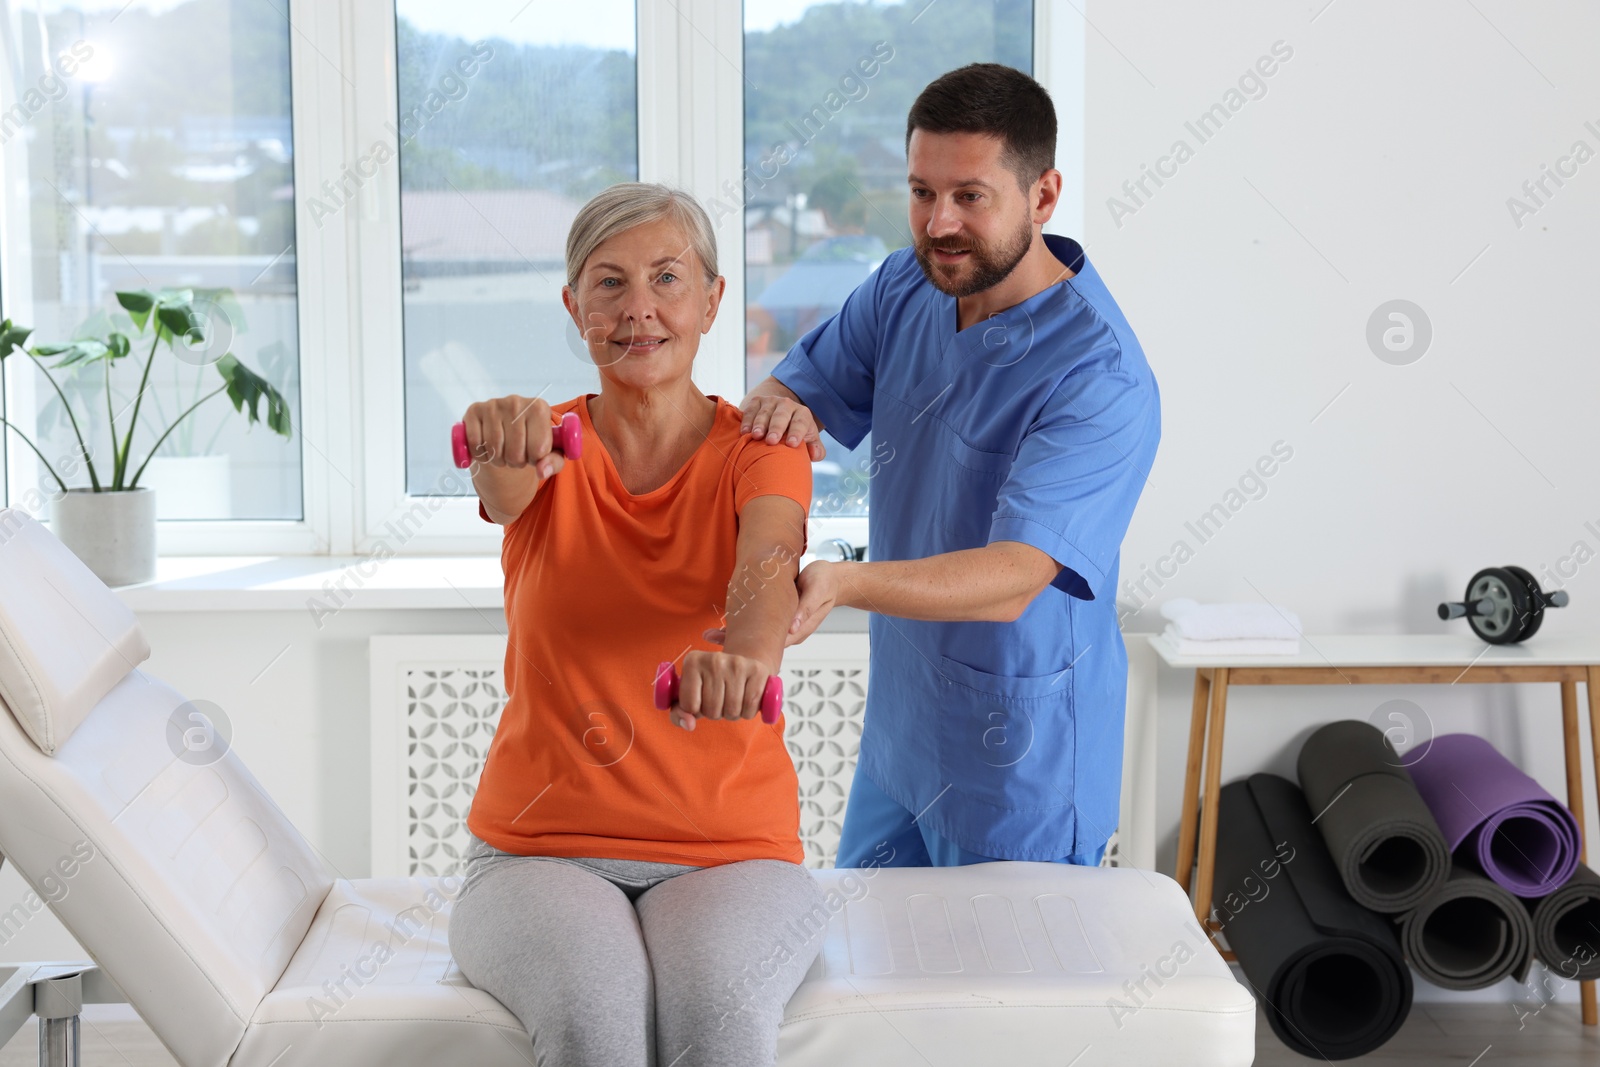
{"x":878,"y":832}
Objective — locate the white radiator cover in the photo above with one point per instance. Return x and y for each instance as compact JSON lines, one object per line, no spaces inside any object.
{"x":436,"y":700}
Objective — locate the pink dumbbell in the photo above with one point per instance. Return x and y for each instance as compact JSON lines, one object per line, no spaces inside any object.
{"x":667,"y":679}
{"x":568,"y":439}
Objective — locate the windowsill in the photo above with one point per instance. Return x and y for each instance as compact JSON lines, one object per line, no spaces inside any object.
{"x":287,"y":583}
{"x":291,"y":583}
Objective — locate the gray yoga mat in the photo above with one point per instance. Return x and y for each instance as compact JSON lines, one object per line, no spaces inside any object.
{"x":1385,"y":841}
{"x":1468,"y":934}
{"x":1327,"y":971}
{"x":1566,"y":927}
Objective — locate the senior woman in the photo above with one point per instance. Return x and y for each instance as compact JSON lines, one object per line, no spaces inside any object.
{"x":633,"y":889}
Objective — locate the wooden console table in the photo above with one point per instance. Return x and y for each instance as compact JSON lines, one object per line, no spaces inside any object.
{"x":1372,"y":659}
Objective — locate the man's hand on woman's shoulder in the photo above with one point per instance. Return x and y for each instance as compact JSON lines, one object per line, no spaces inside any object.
{"x":773,"y":412}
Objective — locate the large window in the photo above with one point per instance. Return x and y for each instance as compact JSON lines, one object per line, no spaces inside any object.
{"x":827,"y":89}
{"x":150,"y":147}
{"x":384,"y":244}
{"x":509,"y":123}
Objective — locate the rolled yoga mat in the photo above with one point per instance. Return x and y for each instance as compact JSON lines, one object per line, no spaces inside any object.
{"x":1566,"y":927}
{"x":1328,"y":972}
{"x":1384,"y":840}
{"x":1495,"y":816}
{"x":1469,"y":934}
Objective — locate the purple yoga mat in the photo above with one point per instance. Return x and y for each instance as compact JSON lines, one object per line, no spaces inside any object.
{"x":1495,"y":816}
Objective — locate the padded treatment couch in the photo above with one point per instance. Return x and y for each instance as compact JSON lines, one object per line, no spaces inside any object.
{"x":227,"y":932}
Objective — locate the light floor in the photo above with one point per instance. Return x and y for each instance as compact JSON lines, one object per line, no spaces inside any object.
{"x":1435,"y":1035}
{"x":1465,"y":1035}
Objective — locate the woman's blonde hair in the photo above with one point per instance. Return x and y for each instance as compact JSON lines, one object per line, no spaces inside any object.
{"x":628,"y":204}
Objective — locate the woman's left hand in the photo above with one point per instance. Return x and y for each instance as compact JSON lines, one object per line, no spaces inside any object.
{"x":719,"y":685}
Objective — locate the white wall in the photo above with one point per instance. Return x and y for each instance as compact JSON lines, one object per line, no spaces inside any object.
{"x":1391,"y":141}
{"x":1377,"y":166}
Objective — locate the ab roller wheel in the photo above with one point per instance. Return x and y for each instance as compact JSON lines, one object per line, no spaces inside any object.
{"x":1504,"y":605}
{"x":668,"y":679}
{"x":568,"y":439}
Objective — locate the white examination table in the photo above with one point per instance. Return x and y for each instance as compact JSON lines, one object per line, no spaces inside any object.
{"x":207,"y":910}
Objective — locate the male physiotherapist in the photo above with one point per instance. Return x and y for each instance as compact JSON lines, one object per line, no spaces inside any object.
{"x":1014,"y":419}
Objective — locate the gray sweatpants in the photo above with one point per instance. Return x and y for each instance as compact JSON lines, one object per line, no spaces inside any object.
{"x":623,"y":963}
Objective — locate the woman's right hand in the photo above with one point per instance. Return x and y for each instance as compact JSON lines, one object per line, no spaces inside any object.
{"x":719,"y":685}
{"x":513,"y":432}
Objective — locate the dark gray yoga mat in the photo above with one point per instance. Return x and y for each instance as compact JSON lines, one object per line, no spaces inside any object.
{"x":1468,"y":934}
{"x":1566,"y":927}
{"x":1328,"y":972}
{"x":1384,"y":839}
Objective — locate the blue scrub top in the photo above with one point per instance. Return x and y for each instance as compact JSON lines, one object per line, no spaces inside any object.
{"x":1037,"y":425}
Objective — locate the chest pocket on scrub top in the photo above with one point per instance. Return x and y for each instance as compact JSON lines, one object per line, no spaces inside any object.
{"x":971,"y":484}
{"x":1004,"y":738}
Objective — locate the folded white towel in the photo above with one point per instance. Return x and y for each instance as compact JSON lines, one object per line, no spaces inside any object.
{"x":1230,"y":622}
{"x":1242,"y":646}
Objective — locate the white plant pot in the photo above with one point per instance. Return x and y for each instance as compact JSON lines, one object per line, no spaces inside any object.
{"x":191,"y":487}
{"x":113,"y":533}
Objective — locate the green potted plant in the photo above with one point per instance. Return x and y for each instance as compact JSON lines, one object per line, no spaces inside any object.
{"x":111,"y":523}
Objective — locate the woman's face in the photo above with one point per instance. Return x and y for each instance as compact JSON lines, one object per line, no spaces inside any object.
{"x":641,"y":303}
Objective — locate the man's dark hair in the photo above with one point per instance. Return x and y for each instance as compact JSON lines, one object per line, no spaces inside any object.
{"x":997,"y":100}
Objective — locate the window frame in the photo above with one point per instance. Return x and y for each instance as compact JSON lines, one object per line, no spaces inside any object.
{"x":310,"y":105}
{"x":351,"y":428}
{"x":691,"y":133}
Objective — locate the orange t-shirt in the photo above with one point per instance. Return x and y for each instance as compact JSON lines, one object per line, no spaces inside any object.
{"x":601,"y":586}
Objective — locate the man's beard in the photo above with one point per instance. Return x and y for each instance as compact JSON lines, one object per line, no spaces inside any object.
{"x":991,"y":264}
